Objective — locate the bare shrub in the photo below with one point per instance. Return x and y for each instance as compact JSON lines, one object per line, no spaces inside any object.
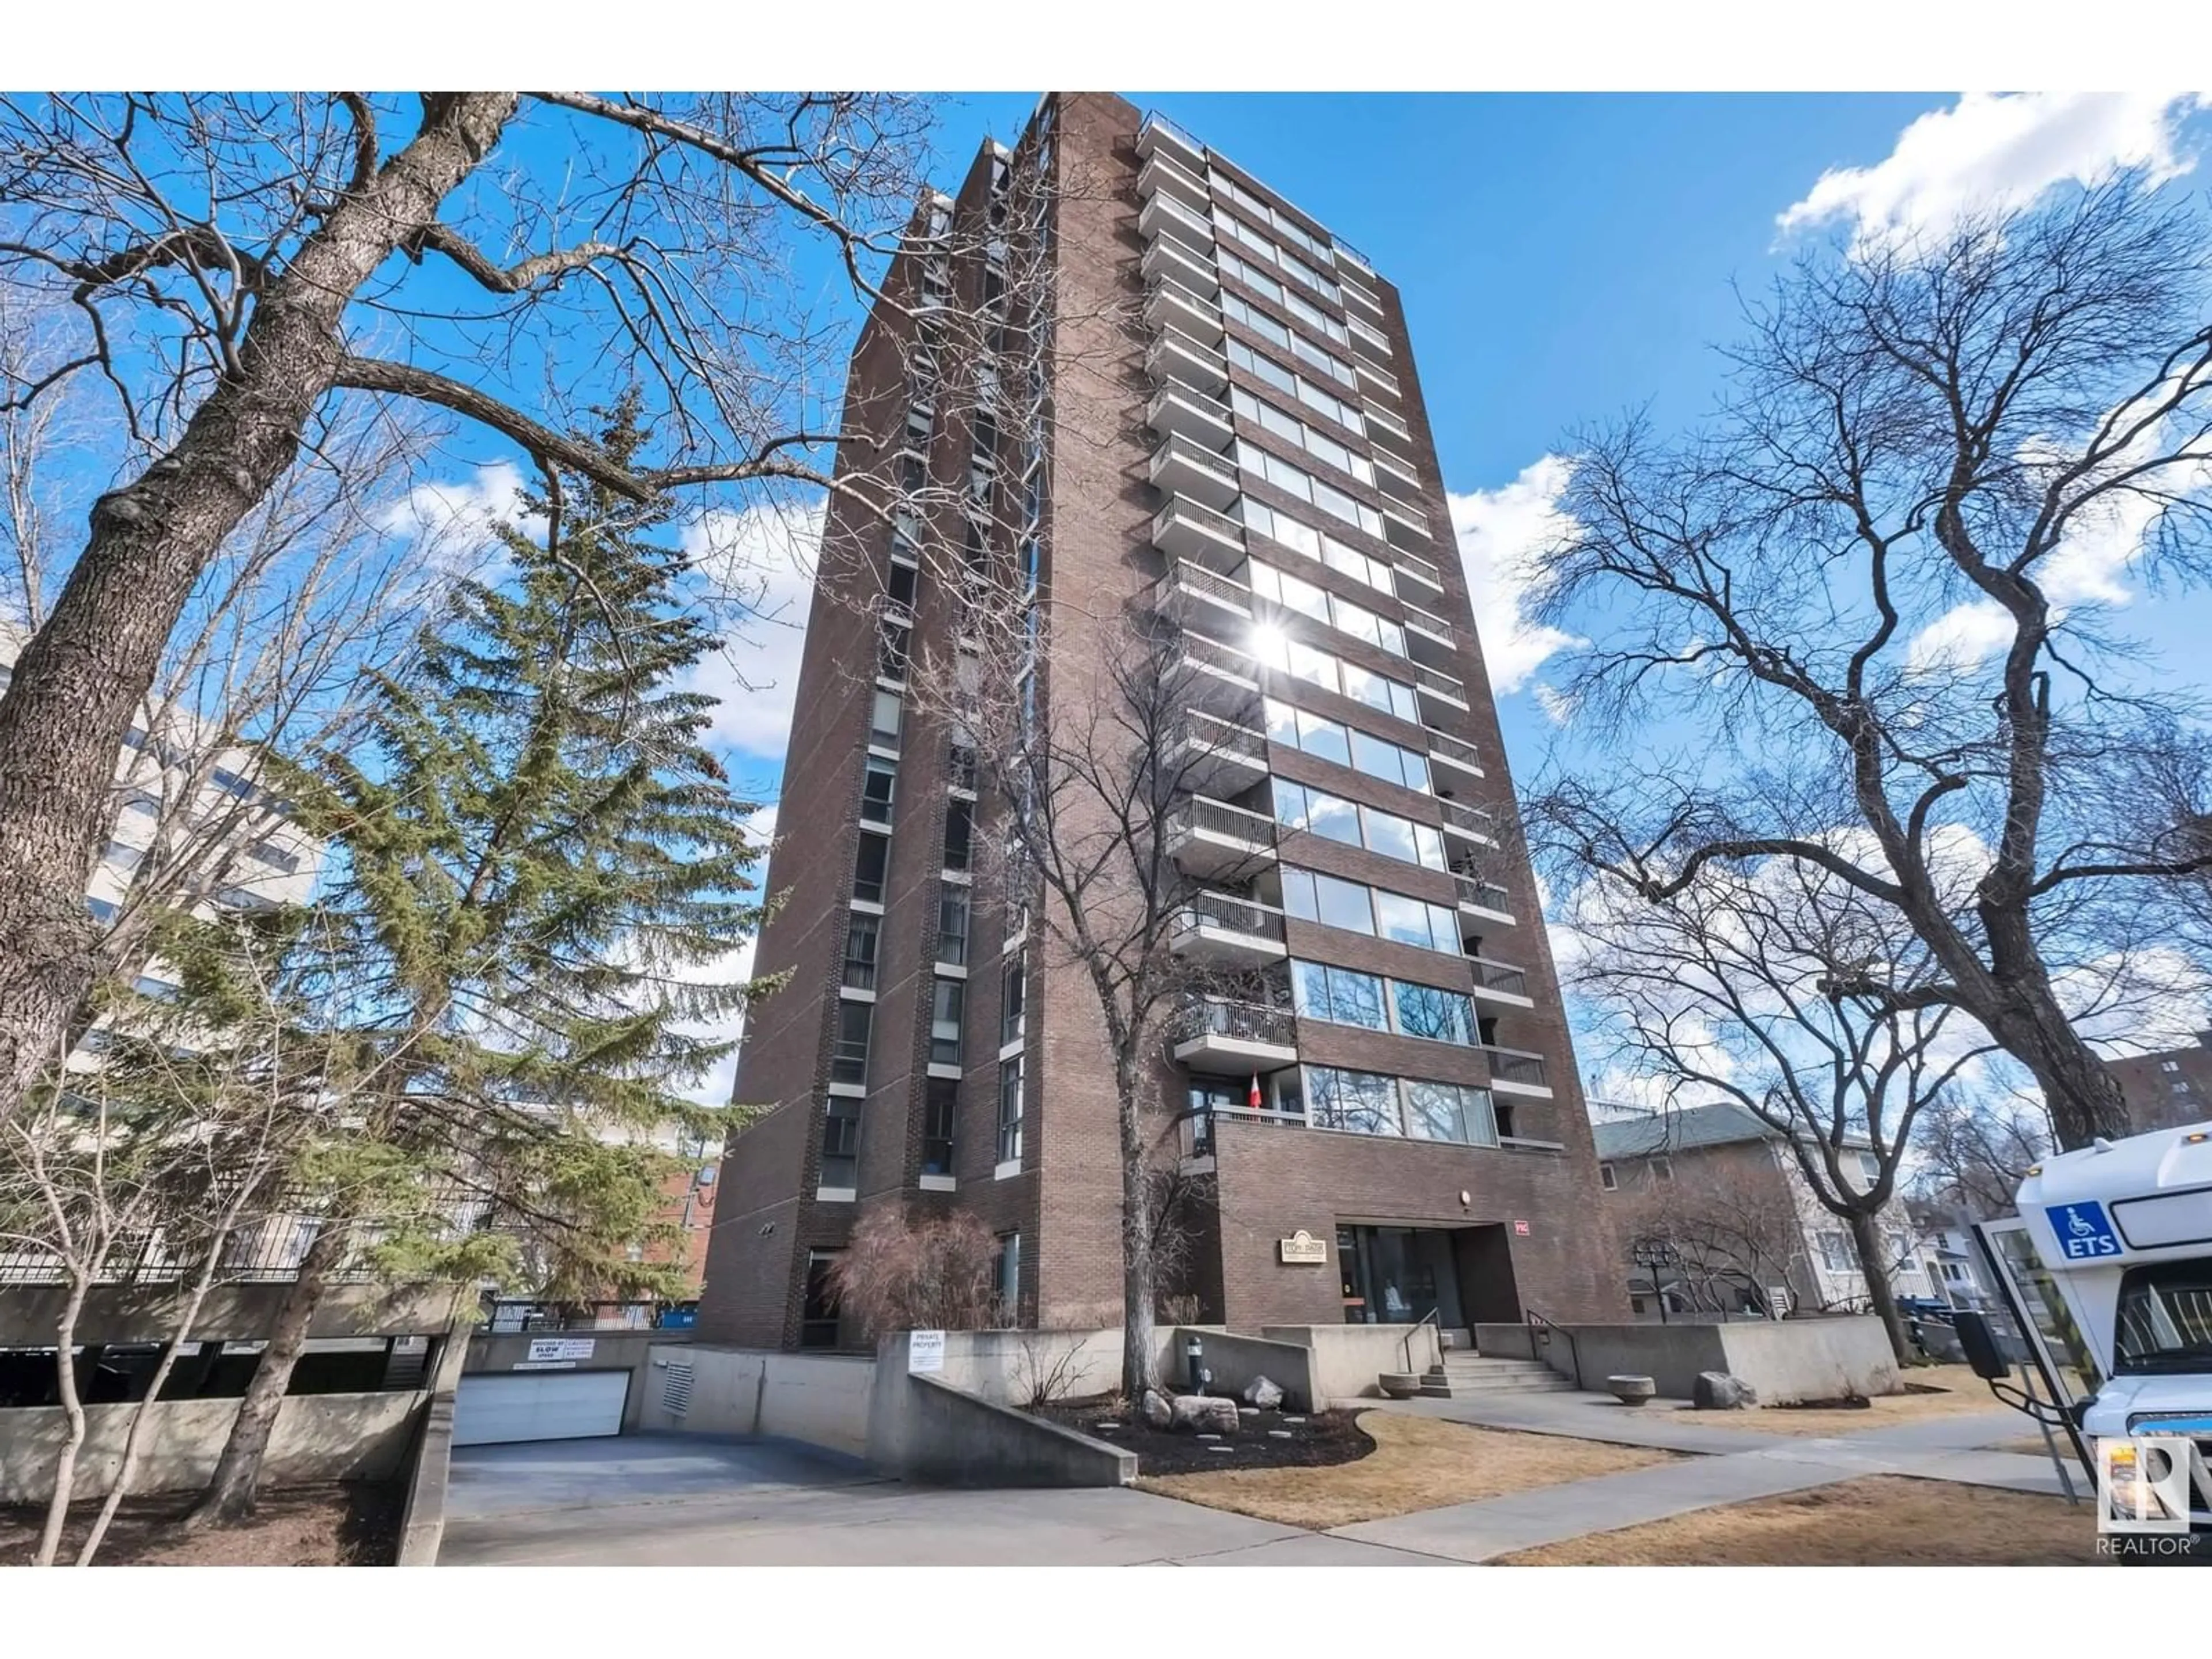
{"x":903,"y":1273}
{"x":1181,"y":1311}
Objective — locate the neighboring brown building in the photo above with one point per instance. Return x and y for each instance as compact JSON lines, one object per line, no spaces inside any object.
{"x":1255,"y":454}
{"x":2167,"y":1090}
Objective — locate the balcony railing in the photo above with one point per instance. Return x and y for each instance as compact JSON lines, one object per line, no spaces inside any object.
{"x":1184,"y":466}
{"x":1444,"y":746}
{"x":1216,"y":736}
{"x":1165,"y":215}
{"x":1170,"y":304}
{"x":1419,"y":569}
{"x":1166,"y":260}
{"x":1158,"y":133}
{"x":1201,"y":815}
{"x":1427,"y":622}
{"x":1225,"y":913}
{"x":1161,"y":173}
{"x":1241,"y":1022}
{"x":1447,"y":686}
{"x":1483,"y":894}
{"x":1182,"y":409}
{"x":1176,"y":356}
{"x":1186,"y":581}
{"x":1499,"y":976}
{"x":1477,"y":821}
{"x":1183,"y":529}
{"x":1516,"y":1066}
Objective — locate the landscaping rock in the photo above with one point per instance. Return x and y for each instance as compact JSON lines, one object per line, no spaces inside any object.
{"x":1201,"y":1411}
{"x":1718,"y":1391}
{"x":1632,"y":1390}
{"x":1156,"y":1410}
{"x":1263,"y":1393}
{"x":1278,"y":1434}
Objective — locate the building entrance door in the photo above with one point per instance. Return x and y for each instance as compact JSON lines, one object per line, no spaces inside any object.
{"x":1398,"y":1275}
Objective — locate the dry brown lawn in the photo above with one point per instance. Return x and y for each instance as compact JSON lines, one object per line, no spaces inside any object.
{"x":1882,"y":1520}
{"x":1418,"y":1464}
{"x":1961,"y":1392}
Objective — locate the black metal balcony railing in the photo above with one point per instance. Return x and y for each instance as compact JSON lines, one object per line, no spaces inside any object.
{"x":1443,"y":684}
{"x":1420,"y":569}
{"x":1246,"y":1022}
{"x":1235,"y":915}
{"x":1427,"y":621}
{"x":1487,"y":895}
{"x":1219,"y":818}
{"x":1452,"y":748}
{"x":1515,"y":1066}
{"x":1499,"y":976}
{"x":1475,"y":820}
{"x":1212,"y":735}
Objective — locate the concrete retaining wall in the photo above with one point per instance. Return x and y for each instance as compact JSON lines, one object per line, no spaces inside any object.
{"x":232,"y":1313}
{"x":922,"y":1429}
{"x":1347,"y":1359}
{"x":317,"y":1437}
{"x":822,"y":1399}
{"x":1785,"y":1361}
{"x":1236,"y":1360}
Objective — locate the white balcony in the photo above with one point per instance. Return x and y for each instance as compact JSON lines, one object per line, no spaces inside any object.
{"x":1213,"y":839}
{"x":1159,"y":136}
{"x":1485,"y":899}
{"x":1501,"y":982}
{"x":1221,"y":929}
{"x":1188,"y":411}
{"x":1184,"y":528}
{"x":1238,"y":1036}
{"x":1411,"y":567}
{"x":1168,"y":261}
{"x":1167,"y":306}
{"x":1165,"y":217}
{"x":1181,"y":466}
{"x":1456,"y":752}
{"x":1517,"y":1072}
{"x":1216,"y":755}
{"x":1175,"y":355}
{"x":1429,"y":637}
{"x":1162,"y":175}
{"x":1476,"y":823}
{"x":1197,"y":597}
{"x":1446,"y":688}
{"x":1217,"y":678}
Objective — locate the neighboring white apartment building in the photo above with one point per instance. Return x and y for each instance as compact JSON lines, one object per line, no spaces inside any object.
{"x":191,"y":805}
{"x":1725,"y":1157}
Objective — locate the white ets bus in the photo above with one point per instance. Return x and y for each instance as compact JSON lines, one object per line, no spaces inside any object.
{"x":2108,"y":1268}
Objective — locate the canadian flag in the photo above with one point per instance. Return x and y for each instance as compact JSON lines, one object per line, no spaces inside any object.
{"x":1254,"y":1099}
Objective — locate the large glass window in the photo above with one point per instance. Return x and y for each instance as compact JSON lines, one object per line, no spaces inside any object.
{"x":959,"y":832}
{"x":841,"y":1144}
{"x":1360,"y":1102}
{"x":860,"y":932}
{"x":886,"y":718}
{"x":1010,"y":1110}
{"x":1339,"y":994}
{"x":1013,"y":990}
{"x":879,"y":784}
{"x":940,"y":1114}
{"x":817,"y":1321}
{"x":1311,"y":897}
{"x":952,"y":909}
{"x":1331,"y":673}
{"x":1431,"y":1012}
{"x":1432,"y":1111}
{"x":872,"y":868}
{"x":848,"y":1058}
{"x":949,"y":1000}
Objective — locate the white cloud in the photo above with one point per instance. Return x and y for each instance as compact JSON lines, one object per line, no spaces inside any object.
{"x":1499,"y":530}
{"x":452,"y":521}
{"x":761,"y":560}
{"x":1994,"y":150}
{"x":1959,"y":638}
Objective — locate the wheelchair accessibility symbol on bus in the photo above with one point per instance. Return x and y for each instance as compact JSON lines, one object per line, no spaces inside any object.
{"x":2083,"y":1232}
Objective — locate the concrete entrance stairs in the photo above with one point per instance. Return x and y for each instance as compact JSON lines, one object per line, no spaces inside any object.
{"x":1464,"y":1374}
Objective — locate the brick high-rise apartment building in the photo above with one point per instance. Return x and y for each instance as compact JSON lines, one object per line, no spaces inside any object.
{"x":1230,"y":434}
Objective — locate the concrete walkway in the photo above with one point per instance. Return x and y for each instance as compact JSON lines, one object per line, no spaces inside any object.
{"x":1736,"y":1466}
{"x":694,"y":1500}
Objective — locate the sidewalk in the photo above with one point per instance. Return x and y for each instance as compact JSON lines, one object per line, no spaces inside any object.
{"x":1734,"y":1466}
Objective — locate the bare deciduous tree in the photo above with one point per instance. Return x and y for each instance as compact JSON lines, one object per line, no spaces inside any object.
{"x":1745,"y":984}
{"x":1854,"y":625}
{"x":1724,"y":1234}
{"x":243,"y":269}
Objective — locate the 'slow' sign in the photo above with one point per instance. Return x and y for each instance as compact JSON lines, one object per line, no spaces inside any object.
{"x":571,"y":1348}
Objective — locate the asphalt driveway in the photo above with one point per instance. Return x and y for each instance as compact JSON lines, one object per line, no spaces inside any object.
{"x":693,"y":1500}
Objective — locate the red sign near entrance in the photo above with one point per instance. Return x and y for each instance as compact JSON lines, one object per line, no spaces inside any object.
{"x":1520,"y":1228}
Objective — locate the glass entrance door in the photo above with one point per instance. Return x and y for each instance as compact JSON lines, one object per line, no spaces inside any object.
{"x":1397,"y":1275}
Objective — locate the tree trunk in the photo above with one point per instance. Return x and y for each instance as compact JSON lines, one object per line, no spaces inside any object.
{"x":1867,"y":1241}
{"x":2079,"y":1090}
{"x":1139,"y":1366}
{"x":141,"y":1415}
{"x":57,"y":1506}
{"x":68,"y":706}
{"x":236,"y":1482}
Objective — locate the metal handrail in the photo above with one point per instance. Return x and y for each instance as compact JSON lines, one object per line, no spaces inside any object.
{"x":1428,"y":1318}
{"x":1538,"y":1333}
{"x":1513,"y":1064}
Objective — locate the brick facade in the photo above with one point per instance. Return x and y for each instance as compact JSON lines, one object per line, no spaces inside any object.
{"x":1525,"y":1230}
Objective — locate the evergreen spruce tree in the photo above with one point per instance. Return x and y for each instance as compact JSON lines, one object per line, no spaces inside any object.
{"x":535,"y":858}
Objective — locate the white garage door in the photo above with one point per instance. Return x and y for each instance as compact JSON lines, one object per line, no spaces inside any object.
{"x":493,"y":1408}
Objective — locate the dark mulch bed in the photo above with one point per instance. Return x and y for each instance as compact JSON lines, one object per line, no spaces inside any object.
{"x":1849,"y":1402}
{"x":353,"y":1525}
{"x":1314,"y":1440}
